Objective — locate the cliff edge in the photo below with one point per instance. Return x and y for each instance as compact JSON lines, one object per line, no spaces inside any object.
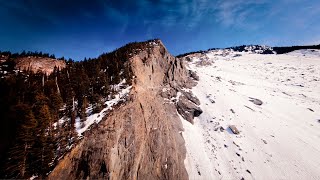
{"x":142,"y":138}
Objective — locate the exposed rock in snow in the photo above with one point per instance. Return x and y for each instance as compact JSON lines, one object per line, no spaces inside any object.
{"x":191,"y":97}
{"x":259,"y":49}
{"x":194,"y":75}
{"x":234,"y":129}
{"x":187,"y":109}
{"x":256,"y":101}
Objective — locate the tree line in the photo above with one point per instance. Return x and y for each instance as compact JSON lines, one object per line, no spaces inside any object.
{"x":30,"y":53}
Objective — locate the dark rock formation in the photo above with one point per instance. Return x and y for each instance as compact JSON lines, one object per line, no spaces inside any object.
{"x":193,"y":75}
{"x":191,"y":97}
{"x":256,"y":101}
{"x":187,"y":109}
{"x":234,"y":129}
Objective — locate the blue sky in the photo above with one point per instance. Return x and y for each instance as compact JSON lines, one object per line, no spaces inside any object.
{"x":83,"y":28}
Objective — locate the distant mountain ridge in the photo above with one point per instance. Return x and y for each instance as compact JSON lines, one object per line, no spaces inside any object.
{"x":259,"y":49}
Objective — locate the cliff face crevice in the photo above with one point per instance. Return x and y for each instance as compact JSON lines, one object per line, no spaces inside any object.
{"x":142,"y":138}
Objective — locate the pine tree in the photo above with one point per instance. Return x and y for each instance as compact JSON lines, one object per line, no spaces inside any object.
{"x":83,"y":115}
{"x":56,"y":103}
{"x":44,"y":146}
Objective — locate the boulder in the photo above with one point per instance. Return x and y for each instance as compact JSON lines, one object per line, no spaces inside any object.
{"x":234,"y":129}
{"x":193,"y":75}
{"x":256,"y":101}
{"x":187,"y":109}
{"x":191,"y":97}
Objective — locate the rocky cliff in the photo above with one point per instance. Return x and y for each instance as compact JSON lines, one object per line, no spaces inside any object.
{"x":36,"y":64}
{"x":142,"y":138}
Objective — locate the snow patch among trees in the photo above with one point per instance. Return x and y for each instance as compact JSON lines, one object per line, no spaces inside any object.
{"x":97,"y":117}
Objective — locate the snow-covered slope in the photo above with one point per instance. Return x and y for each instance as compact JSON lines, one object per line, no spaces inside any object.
{"x":278,"y":139}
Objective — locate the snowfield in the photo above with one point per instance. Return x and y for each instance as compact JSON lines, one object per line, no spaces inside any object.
{"x":279,"y":139}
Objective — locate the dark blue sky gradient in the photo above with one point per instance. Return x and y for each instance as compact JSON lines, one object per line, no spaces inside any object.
{"x":83,"y":28}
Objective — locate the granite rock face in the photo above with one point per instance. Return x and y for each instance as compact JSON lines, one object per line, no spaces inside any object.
{"x":36,"y":64}
{"x":142,"y":138}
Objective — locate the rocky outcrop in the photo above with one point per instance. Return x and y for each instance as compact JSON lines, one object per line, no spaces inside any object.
{"x":256,"y":101}
{"x":193,"y":75}
{"x":187,"y":109}
{"x":35,"y":64}
{"x":234,"y":129}
{"x":142,"y":138}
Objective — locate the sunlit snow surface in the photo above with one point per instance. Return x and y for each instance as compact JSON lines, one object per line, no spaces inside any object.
{"x":279,"y":139}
